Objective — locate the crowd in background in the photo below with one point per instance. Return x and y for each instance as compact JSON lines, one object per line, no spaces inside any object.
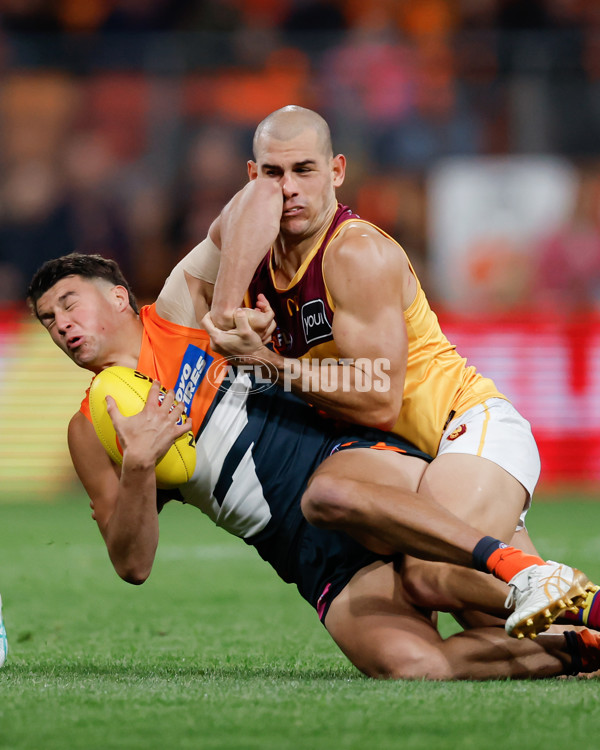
{"x":125,"y":125}
{"x":411,"y":17}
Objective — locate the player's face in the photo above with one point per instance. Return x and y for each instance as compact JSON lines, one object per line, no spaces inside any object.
{"x":80,"y":316}
{"x":308,"y":178}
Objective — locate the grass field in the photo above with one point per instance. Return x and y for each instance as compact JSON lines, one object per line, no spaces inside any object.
{"x":215,"y":652}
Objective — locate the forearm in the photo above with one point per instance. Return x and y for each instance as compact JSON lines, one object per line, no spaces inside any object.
{"x":235,"y":274}
{"x":123,"y":499}
{"x":247,"y":228}
{"x":131,"y":534}
{"x":356,"y":391}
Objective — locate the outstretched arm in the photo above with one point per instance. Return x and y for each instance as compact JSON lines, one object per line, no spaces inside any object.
{"x":124,"y":501}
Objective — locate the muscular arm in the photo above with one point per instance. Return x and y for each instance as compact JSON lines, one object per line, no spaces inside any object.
{"x":248,"y":226}
{"x":217,"y":272}
{"x":124,"y":502}
{"x":371,"y":284}
{"x":366,"y":276}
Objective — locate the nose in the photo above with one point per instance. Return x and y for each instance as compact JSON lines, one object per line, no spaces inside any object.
{"x":62,"y":323}
{"x":288,"y":185}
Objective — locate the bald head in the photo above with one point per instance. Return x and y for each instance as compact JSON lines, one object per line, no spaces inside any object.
{"x":289,"y":122}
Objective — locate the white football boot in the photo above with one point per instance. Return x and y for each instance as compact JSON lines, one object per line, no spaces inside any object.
{"x":3,"y":641}
{"x":540,"y":594}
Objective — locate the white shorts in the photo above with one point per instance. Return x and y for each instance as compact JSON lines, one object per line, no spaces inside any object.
{"x":495,"y":430}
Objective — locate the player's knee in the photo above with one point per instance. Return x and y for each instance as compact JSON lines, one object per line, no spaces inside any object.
{"x":325,"y":503}
{"x":422,"y":663}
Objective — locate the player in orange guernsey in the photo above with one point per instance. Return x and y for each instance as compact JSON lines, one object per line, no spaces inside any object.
{"x":341,"y":287}
{"x":256,"y":452}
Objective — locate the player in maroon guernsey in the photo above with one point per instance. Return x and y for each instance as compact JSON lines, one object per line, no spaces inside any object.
{"x":342,"y":288}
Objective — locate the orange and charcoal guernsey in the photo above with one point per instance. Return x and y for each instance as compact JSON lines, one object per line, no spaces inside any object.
{"x":180,"y":358}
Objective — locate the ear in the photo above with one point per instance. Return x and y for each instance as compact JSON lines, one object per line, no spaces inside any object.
{"x":338,"y":168}
{"x":252,"y":170}
{"x":121,"y":297}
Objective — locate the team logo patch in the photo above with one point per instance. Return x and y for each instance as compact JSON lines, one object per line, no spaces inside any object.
{"x":292,"y":305}
{"x":460,"y":430}
{"x":282,"y":340}
{"x":314,"y":321}
{"x":194,"y":365}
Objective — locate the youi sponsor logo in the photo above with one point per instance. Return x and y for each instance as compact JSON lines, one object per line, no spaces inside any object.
{"x":315,"y":324}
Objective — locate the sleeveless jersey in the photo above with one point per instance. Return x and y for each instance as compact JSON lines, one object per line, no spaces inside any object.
{"x":256,"y":450}
{"x":438,"y":385}
{"x":304,"y":309}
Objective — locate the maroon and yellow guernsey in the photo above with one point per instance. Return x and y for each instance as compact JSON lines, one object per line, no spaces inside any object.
{"x":438,"y":385}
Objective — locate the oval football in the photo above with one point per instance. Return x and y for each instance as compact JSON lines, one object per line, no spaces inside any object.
{"x":130,"y":389}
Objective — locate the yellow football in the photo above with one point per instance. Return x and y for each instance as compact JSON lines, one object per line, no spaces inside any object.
{"x":130,"y":388}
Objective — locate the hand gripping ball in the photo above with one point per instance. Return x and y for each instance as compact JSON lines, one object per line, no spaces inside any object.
{"x":130,"y":388}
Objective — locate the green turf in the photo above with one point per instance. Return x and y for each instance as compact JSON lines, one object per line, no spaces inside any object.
{"x":215,"y":652}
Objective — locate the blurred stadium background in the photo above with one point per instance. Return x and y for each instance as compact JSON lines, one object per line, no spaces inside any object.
{"x":472,"y":129}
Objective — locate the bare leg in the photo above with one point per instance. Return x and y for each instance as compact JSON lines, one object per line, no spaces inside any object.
{"x":477,"y":491}
{"x":449,"y":588}
{"x":488,"y":498}
{"x":385,"y":637}
{"x":371,"y":495}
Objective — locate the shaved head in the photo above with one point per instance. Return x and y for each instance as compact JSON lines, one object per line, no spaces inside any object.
{"x":288,"y":122}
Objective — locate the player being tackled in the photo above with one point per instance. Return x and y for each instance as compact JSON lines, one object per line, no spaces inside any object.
{"x":263,"y":458}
